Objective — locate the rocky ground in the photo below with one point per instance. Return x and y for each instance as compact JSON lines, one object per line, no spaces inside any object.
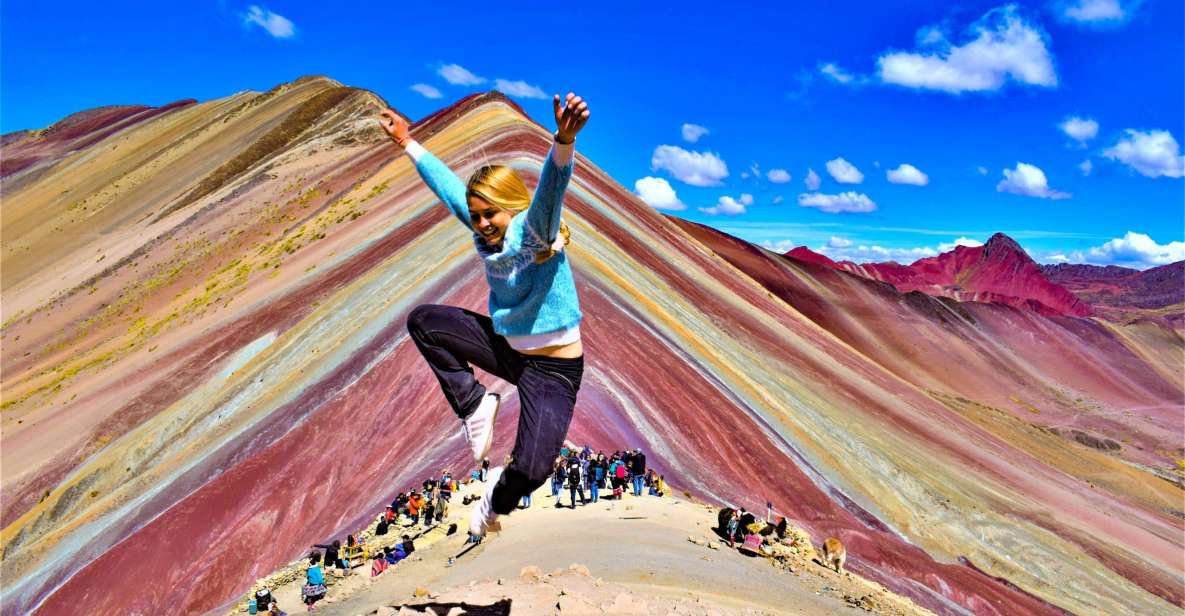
{"x":645,"y":555}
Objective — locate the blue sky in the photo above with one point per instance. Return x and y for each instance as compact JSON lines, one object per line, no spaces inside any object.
{"x":1059,"y":123}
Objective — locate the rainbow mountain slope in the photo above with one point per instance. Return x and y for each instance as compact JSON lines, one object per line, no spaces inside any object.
{"x":206,"y":370}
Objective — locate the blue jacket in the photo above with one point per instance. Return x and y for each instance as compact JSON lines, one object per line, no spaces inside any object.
{"x":528,"y":301}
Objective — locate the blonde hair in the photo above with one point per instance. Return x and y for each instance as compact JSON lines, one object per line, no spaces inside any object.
{"x":501,"y":187}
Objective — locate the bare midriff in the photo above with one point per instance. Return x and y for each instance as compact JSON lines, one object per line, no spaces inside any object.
{"x":572,"y":350}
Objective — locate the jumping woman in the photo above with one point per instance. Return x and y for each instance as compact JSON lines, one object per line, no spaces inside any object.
{"x":531,"y":337}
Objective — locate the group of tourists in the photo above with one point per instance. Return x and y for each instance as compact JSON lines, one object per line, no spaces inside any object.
{"x":426,"y":506}
{"x":582,"y":470}
{"x":739,"y":525}
{"x":339,"y":559}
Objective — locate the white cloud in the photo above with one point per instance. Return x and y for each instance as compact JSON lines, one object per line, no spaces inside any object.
{"x":459,"y":76}
{"x":781,"y":246}
{"x":275,"y":24}
{"x":981,"y":170}
{"x":778,"y":199}
{"x":844,"y":202}
{"x":1080,"y":129}
{"x":729,"y":206}
{"x":1029,"y":181}
{"x":1003,"y":47}
{"x":906,"y":173}
{"x":658,"y":193}
{"x":1136,"y":250}
{"x":865,"y":253}
{"x":812,"y":180}
{"x":838,"y":74}
{"x":692,"y":132}
{"x":1086,"y":167}
{"x":520,"y":89}
{"x":695,"y":168}
{"x":962,"y":241}
{"x":841,"y":248}
{"x":844,"y":172}
{"x":1098,"y":12}
{"x":427,"y":90}
{"x":1154,"y":153}
{"x":778,"y":176}
{"x":929,"y":36}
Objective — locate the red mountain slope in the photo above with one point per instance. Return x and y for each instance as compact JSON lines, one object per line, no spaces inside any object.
{"x":1121,"y":286}
{"x":1000,"y":272}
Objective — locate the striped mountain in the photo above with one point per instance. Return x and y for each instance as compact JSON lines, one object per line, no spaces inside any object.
{"x":207,"y":370}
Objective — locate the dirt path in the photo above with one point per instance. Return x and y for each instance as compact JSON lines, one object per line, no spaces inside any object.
{"x":637,"y":556}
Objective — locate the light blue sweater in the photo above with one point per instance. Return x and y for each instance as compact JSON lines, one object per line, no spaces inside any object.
{"x":532,"y":304}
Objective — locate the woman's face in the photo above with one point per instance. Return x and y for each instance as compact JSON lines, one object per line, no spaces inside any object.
{"x":489,"y":221}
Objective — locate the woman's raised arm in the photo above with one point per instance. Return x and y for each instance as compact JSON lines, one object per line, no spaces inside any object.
{"x":543,"y":217}
{"x":447,"y":186}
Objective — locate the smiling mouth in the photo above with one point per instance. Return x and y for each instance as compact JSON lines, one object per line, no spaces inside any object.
{"x":489,"y":234}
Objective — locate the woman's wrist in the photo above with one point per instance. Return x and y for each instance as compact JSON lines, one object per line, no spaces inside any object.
{"x":559,"y":139}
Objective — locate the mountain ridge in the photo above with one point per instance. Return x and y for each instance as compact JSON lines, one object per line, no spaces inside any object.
{"x":1001,"y":271}
{"x":269,"y":313}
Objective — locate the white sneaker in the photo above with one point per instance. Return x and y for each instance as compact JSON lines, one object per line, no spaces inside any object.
{"x":483,"y":518}
{"x":479,"y":427}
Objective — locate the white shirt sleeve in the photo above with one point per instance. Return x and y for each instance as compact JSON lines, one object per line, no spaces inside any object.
{"x":562,"y":153}
{"x":414,"y":150}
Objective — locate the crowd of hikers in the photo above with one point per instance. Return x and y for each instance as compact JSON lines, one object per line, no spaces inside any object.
{"x":582,"y":472}
{"x":585,"y":473}
{"x":423,"y":507}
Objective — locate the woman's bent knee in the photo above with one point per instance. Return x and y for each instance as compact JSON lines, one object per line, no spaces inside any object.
{"x":420,"y":317}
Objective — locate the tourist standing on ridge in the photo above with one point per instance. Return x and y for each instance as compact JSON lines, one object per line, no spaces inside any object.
{"x":637,"y":462}
{"x":314,"y":587}
{"x":617,"y":475}
{"x":596,"y":474}
{"x":532,"y":336}
{"x":559,"y":474}
{"x":575,"y":479}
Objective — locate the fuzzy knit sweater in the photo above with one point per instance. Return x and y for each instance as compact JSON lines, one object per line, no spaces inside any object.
{"x":532,"y":305}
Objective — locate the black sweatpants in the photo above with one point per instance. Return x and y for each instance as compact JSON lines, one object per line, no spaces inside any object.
{"x":451,"y":339}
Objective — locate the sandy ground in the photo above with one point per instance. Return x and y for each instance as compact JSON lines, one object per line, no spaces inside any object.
{"x":644,"y":555}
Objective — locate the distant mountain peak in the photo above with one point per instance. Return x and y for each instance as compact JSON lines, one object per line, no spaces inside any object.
{"x":999,"y":271}
{"x":802,"y":253}
{"x":1001,"y":245}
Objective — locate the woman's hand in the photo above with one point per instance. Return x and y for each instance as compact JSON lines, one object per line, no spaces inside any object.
{"x":396,"y":127}
{"x":570,"y":118}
